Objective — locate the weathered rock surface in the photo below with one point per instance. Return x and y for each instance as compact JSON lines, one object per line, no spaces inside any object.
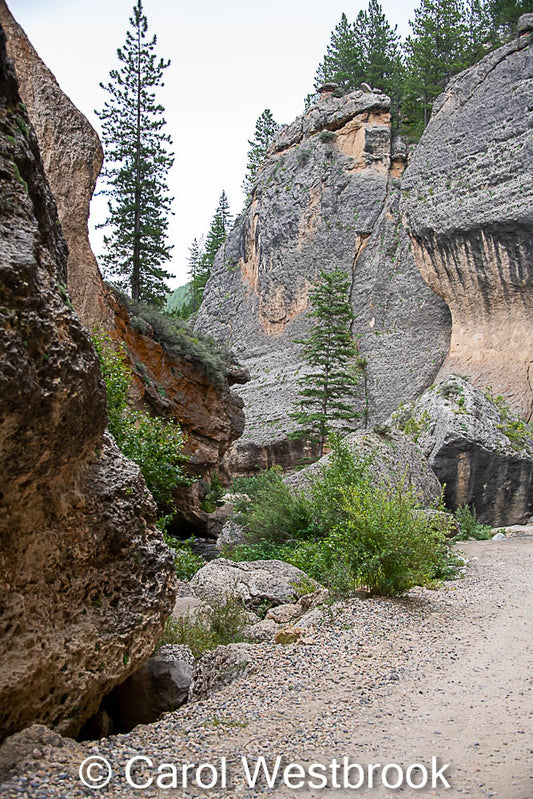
{"x":23,"y":750}
{"x":219,"y":668}
{"x":159,"y":686}
{"x":325,"y":197}
{"x":72,"y":157}
{"x":393,"y":460}
{"x":253,"y":582}
{"x":468,"y":204}
{"x":482,"y":455}
{"x":86,"y":580}
{"x":170,"y":385}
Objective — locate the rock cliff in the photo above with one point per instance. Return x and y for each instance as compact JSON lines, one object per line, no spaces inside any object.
{"x":72,"y":157}
{"x":481,"y":453}
{"x":326,"y":197}
{"x":468,"y":204}
{"x":86,"y":581}
{"x":211,"y":415}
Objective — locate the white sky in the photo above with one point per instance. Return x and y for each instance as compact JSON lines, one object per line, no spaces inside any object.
{"x":231,"y":59}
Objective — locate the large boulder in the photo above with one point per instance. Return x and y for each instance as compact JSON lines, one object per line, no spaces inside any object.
{"x":253,"y":582}
{"x":468,"y":205}
{"x":480,"y":451}
{"x":159,"y":686}
{"x":393,"y":460}
{"x":86,"y":581}
{"x":326,"y":197}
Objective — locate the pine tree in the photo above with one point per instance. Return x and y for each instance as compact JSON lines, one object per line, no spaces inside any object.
{"x":435,"y":52}
{"x":266,"y":128}
{"x":215,"y":239}
{"x":137,"y":161}
{"x":504,"y":15}
{"x":382,"y":62}
{"x":332,"y":355}
{"x":344,"y":59}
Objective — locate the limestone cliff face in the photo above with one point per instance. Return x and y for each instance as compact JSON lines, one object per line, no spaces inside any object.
{"x":325,"y":197}
{"x":72,"y":157}
{"x":86,"y":581}
{"x":209,"y":413}
{"x":468,"y":203}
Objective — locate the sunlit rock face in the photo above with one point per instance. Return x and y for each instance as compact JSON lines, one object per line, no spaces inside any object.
{"x":468,"y":204}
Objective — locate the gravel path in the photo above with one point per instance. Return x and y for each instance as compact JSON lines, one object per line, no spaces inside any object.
{"x":443,"y":674}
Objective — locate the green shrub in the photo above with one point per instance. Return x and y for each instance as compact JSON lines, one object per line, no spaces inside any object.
{"x":186,"y":561}
{"x":153,"y":443}
{"x":344,"y":531}
{"x":470,"y":525}
{"x":385,"y":540}
{"x":220,"y":624}
{"x":213,"y":498}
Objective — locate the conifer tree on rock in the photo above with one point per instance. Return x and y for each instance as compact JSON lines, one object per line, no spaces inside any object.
{"x":137,"y":161}
{"x":344,"y":59}
{"x":204,"y":260}
{"x":435,"y":52}
{"x":266,"y":128}
{"x":324,"y":396}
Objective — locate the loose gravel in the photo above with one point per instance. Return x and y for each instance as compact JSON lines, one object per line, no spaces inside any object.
{"x":444,"y":673}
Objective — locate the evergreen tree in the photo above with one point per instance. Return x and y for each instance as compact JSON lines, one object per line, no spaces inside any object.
{"x":137,"y":161}
{"x":479,"y":30}
{"x":344,"y":59}
{"x":382,"y":62}
{"x":332,"y":355}
{"x":215,"y":239}
{"x":504,"y":16}
{"x":265,"y":129}
{"x":435,"y":52}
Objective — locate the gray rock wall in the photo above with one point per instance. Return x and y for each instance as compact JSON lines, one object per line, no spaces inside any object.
{"x":325,"y":197}
{"x":468,"y":204}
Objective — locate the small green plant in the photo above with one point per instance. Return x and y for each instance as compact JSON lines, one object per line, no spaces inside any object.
{"x":154,"y":443}
{"x":213,"y":498}
{"x":327,"y":136}
{"x":220,"y":624}
{"x":186,"y":561}
{"x":470,"y":525}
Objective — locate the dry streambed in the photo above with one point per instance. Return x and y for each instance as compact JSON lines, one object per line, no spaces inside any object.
{"x":443,"y":674}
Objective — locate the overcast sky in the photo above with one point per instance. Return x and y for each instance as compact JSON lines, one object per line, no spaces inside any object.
{"x":231,"y":59}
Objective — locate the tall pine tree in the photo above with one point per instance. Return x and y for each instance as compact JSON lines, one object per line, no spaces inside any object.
{"x":204,"y":259}
{"x":436,"y":51}
{"x":266,"y":128}
{"x":344,"y":59}
{"x":137,"y":161}
{"x":324,"y":396}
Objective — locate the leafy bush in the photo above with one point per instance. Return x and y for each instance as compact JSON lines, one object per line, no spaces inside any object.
{"x":385,"y":540}
{"x":345,"y":531}
{"x":178,"y":338}
{"x":220,"y":624}
{"x":155,"y":444}
{"x":470,"y":525}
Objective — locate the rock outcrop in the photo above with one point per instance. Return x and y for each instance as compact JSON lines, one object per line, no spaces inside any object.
{"x":72,"y":157}
{"x":86,"y":580}
{"x":326,"y":196}
{"x":468,"y":204}
{"x":481,"y":453}
{"x":392,"y":459}
{"x":169,"y":384}
{"x":252,"y":582}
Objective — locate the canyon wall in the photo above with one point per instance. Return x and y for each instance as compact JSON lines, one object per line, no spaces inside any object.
{"x":326,"y":197}
{"x":467,"y":199}
{"x":86,"y":581}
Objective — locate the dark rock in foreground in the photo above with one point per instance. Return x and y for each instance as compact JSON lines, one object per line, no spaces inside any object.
{"x":480,"y":452}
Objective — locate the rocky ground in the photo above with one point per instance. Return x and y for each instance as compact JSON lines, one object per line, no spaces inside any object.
{"x":443,"y":673}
